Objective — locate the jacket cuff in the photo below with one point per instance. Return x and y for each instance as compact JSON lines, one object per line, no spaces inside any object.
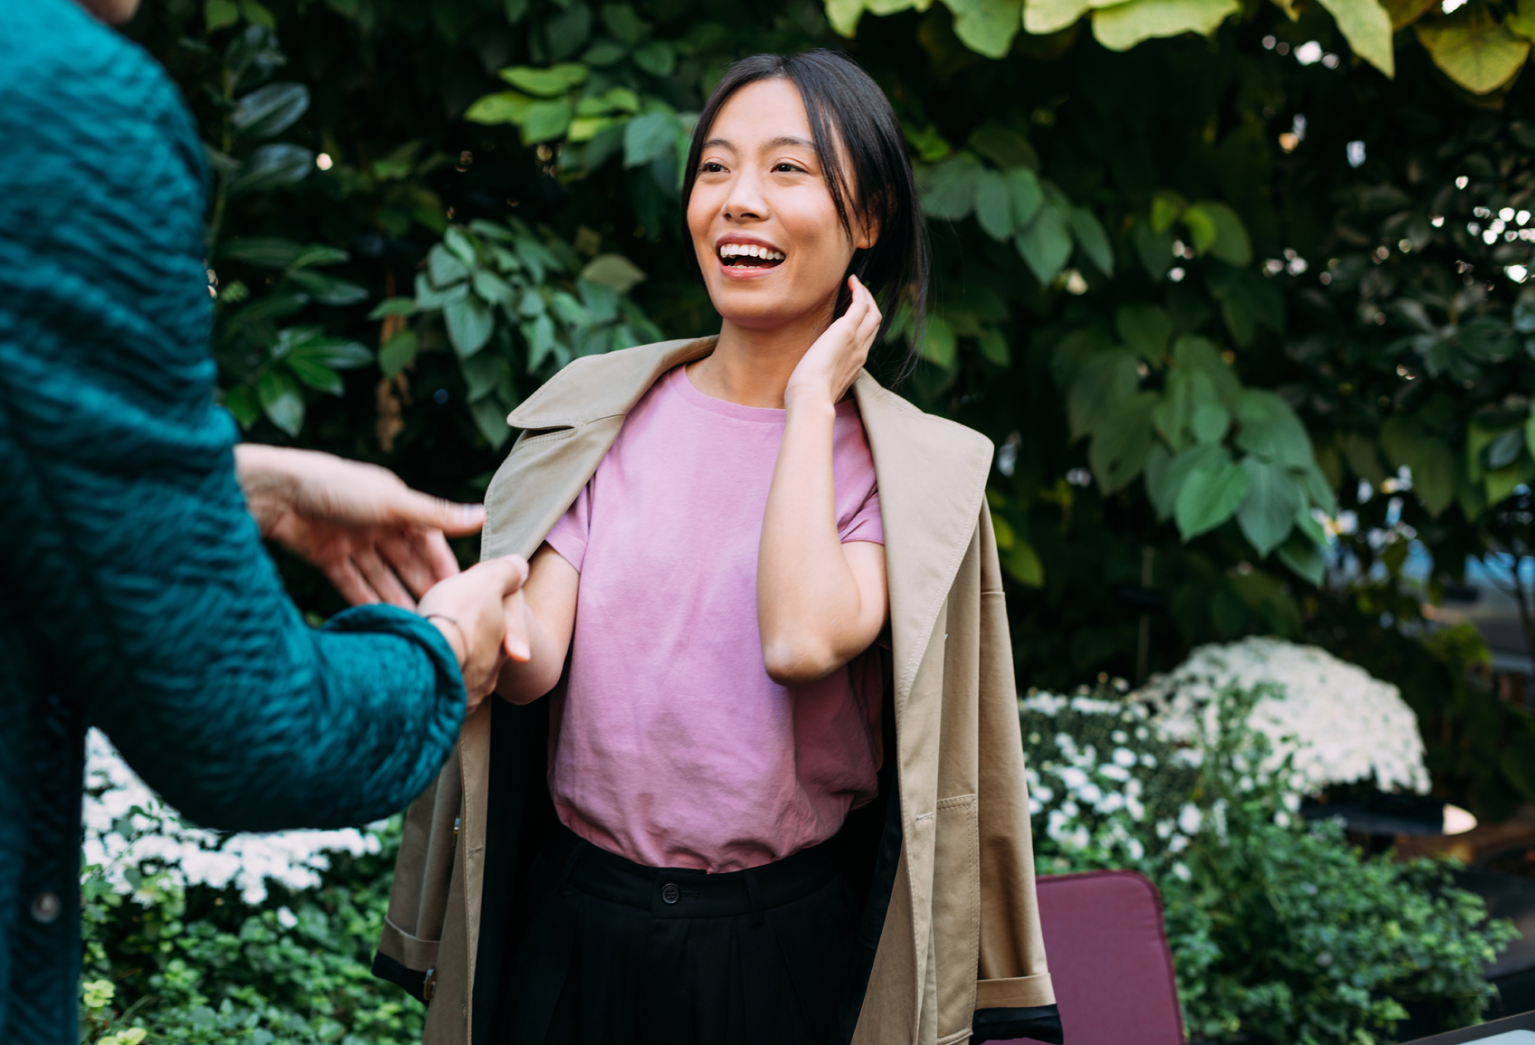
{"x":1036,"y":1022}
{"x":413,"y":982}
{"x":1015,"y":992}
{"x":411,"y":952}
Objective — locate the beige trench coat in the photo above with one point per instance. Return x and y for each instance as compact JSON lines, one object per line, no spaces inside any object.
{"x":961,"y":932}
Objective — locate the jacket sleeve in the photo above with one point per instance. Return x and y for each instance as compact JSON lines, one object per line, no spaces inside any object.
{"x":148,"y":596}
{"x":1014,"y":997}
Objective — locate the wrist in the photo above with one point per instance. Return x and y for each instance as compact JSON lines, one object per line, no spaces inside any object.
{"x":808,"y":403}
{"x":268,"y":482}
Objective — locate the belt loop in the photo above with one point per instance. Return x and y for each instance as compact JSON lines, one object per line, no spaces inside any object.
{"x":570,"y":865}
{"x":753,"y":897}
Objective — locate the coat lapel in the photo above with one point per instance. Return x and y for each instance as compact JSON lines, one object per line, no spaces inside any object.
{"x":932,"y":483}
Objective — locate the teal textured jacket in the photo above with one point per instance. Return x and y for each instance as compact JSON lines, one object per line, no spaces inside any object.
{"x":135,"y":594}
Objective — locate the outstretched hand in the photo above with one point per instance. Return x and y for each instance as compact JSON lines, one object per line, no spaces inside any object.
{"x":376,"y":539}
{"x":828,"y":370}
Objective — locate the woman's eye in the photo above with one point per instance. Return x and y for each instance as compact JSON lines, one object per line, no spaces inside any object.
{"x":710,"y":167}
{"x":788,"y":168}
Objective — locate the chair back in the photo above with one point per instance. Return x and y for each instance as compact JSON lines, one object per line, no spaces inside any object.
{"x":1108,"y":959}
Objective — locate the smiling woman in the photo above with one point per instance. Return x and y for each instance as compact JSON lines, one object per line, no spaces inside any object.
{"x":728,"y":659}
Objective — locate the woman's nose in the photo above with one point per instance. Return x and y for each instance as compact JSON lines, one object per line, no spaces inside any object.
{"x":745,"y":199}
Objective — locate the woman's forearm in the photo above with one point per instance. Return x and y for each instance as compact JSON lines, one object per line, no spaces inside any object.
{"x":811,"y":610}
{"x":548,"y":601}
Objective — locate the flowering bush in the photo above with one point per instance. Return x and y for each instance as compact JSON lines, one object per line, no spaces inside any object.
{"x":196,"y":937}
{"x":1280,"y":930}
{"x":1335,"y":723}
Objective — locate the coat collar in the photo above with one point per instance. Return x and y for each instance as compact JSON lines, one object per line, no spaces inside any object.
{"x":931,"y":474}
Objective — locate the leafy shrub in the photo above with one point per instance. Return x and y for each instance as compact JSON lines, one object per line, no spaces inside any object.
{"x":1280,"y":930}
{"x":197,"y":964}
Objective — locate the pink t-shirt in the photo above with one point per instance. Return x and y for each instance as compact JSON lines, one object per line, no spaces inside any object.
{"x":671,"y":746}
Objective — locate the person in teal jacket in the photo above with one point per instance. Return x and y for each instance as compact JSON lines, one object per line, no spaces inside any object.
{"x":137,"y":596}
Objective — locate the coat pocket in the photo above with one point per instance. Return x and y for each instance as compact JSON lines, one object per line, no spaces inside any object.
{"x":956,"y":913}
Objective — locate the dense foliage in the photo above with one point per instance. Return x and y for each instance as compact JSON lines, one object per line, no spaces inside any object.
{"x":1280,"y":930}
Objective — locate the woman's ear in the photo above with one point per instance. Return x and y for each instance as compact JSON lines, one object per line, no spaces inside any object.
{"x":866,"y":233}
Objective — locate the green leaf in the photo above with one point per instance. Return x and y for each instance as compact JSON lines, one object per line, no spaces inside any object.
{"x":482,"y":373}
{"x":1155,"y":249}
{"x":987,"y":26}
{"x":281,"y":400}
{"x":1003,"y":146}
{"x":604,"y":53}
{"x":263,"y":251}
{"x":241,"y":401}
{"x":273,"y":165}
{"x":398,"y":353}
{"x":613,"y":100}
{"x":1209,"y":422}
{"x":993,"y":206}
{"x":656,"y":57}
{"x":545,"y":121}
{"x":502,"y":107}
{"x":1146,"y":329}
{"x":429,"y":298}
{"x":1319,"y":489}
{"x":318,"y":256}
{"x":1408,"y":442}
{"x":1192,"y":354}
{"x":1157,"y":462}
{"x":460,"y":246}
{"x":1366,"y":26}
{"x":490,"y":418}
{"x":220,"y":14}
{"x":623,"y":21}
{"x":940,"y":344}
{"x":1268,"y":513}
{"x":1166,"y":208}
{"x":1270,"y":429}
{"x":470,"y":323}
{"x":317,"y":376}
{"x":1216,"y":229}
{"x":1045,"y":244}
{"x":1529,"y":433}
{"x":492,"y":288}
{"x":1042,"y":17}
{"x":546,"y":83}
{"x":444,"y":267}
{"x":1101,"y":383}
{"x":393,"y":307}
{"x":1473,"y":48}
{"x":1169,"y":481}
{"x":1209,"y":497}
{"x":1304,"y":557}
{"x":270,"y":110}
{"x":648,"y":136}
{"x":256,"y":13}
{"x":336,"y":353}
{"x":1025,"y":195}
{"x":612,"y":270}
{"x":328,"y":290}
{"x":1121,"y":442}
{"x":1022,"y":564}
{"x":994,"y":348}
{"x":948,"y":188}
{"x":1122,"y":26}
{"x":1363,"y":459}
{"x":1092,"y":239}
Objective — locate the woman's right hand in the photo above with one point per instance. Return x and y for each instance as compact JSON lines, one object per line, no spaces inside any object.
{"x":477,"y":613}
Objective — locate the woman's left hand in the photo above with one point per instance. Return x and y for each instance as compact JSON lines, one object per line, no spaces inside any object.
{"x":828,"y":370}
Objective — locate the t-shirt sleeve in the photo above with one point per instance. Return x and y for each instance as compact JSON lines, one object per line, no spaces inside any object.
{"x":570,"y":534}
{"x":866,"y":524}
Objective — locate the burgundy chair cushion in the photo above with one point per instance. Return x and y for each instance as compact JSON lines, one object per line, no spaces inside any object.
{"x":1108,"y":958}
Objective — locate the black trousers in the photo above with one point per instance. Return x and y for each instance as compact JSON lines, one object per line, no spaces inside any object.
{"x":617,"y":953}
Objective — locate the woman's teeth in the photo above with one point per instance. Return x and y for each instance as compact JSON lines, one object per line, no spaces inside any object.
{"x":749,"y":254}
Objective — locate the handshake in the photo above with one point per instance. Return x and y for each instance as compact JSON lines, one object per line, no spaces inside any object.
{"x":380,"y":541}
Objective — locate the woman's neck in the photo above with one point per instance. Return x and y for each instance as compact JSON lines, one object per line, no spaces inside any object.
{"x":751,"y":367}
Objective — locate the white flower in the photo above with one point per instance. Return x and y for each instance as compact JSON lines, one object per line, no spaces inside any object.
{"x":1073,"y":778}
{"x":1339,"y":724}
{"x":1123,"y":756}
{"x":1189,"y":819}
{"x":1182,"y":872}
{"x":1114,"y":772}
{"x":190,"y":855}
{"x":286,"y":918}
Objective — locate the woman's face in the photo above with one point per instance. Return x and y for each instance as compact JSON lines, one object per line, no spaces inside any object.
{"x":768,"y":239}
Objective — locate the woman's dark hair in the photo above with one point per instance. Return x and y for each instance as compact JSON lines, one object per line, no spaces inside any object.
{"x":846,"y":107}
